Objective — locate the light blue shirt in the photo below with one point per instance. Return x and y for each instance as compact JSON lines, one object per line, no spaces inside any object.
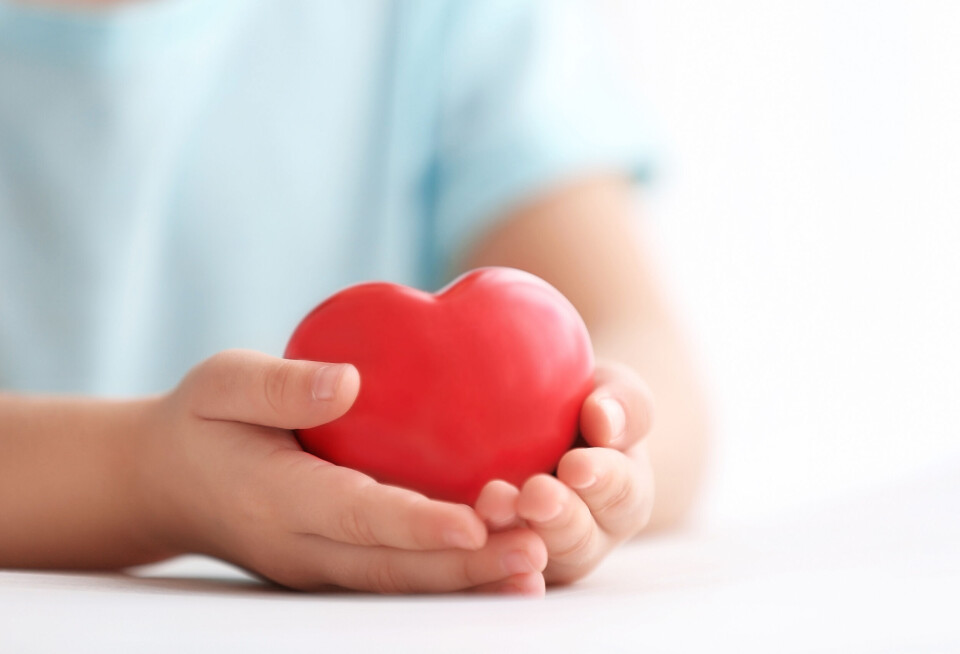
{"x":183,"y":176}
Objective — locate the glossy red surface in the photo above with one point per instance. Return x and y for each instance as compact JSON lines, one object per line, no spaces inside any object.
{"x":483,"y":380}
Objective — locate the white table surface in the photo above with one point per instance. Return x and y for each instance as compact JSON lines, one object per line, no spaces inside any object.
{"x":879,"y":572}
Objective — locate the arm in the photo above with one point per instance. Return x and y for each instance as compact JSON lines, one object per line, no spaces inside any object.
{"x":68,"y":484}
{"x":213,"y":468}
{"x":582,"y":239}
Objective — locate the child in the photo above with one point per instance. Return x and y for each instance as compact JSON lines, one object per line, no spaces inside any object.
{"x":182,"y":178}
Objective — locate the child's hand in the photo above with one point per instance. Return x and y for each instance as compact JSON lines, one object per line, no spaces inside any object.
{"x":602,"y":495}
{"x":224,"y":476}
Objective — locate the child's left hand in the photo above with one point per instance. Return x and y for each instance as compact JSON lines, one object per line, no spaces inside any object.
{"x":602,"y":494}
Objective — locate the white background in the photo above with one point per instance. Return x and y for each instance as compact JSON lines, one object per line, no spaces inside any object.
{"x":809,"y":220}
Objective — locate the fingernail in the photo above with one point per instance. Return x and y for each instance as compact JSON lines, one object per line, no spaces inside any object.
{"x":326,"y":380}
{"x":615,"y":416}
{"x":460,"y":539}
{"x":554,"y":512}
{"x":516,"y":562}
{"x":590,"y":481}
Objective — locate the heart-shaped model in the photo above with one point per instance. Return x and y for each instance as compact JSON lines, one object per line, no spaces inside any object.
{"x":483,"y":380}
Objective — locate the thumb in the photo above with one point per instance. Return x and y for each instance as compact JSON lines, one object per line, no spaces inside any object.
{"x":251,"y":387}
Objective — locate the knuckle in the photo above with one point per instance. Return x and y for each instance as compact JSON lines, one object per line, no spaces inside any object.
{"x":625,"y":381}
{"x":382,"y":577}
{"x":186,"y":392}
{"x":419,"y":525}
{"x":468,"y":574}
{"x":617,"y":499}
{"x":568,"y":518}
{"x":354,"y":528}
{"x":275,"y":383}
{"x":354,"y":525}
{"x":220,"y":363}
{"x":193,"y":390}
{"x":576,"y":550}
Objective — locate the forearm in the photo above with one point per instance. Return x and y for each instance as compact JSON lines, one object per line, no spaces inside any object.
{"x":582,"y":238}
{"x":69,"y":493}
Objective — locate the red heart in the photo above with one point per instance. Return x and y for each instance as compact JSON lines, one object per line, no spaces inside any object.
{"x":483,"y":380}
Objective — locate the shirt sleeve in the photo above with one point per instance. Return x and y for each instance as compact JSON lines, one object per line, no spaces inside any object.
{"x":528,"y":100}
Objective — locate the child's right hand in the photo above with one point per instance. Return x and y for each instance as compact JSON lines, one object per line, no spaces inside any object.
{"x":223,"y":475}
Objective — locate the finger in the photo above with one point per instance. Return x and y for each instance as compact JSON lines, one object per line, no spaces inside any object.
{"x":497,"y":505}
{"x":251,"y":387}
{"x":385,"y":570}
{"x":617,"y":489}
{"x":344,"y":505}
{"x":530,"y":584}
{"x":558,"y":515}
{"x":619,"y":411}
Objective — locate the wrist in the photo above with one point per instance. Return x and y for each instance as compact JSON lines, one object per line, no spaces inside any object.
{"x":153,"y":476}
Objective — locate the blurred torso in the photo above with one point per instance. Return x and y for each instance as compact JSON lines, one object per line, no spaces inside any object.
{"x":188,"y":177}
